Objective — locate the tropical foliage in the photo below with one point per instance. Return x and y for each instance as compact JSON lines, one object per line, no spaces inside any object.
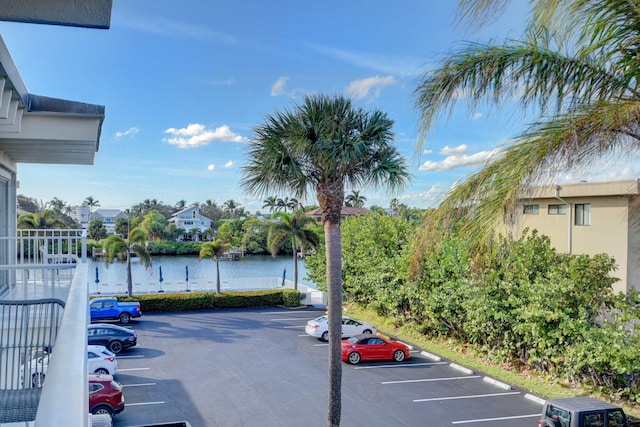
{"x":522,"y":304}
{"x":575,"y":68}
{"x":116,"y":247}
{"x":214,"y":250}
{"x":319,"y":147}
{"x":299,"y":228}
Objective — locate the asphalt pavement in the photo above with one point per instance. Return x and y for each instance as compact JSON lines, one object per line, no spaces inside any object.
{"x":257,"y":367}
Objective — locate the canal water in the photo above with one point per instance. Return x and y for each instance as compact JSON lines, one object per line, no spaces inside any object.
{"x":188,"y":273}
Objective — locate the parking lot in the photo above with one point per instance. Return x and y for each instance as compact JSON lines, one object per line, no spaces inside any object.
{"x":257,"y":367}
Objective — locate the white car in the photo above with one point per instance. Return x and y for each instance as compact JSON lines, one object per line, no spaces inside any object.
{"x":99,"y":361}
{"x":319,"y":327}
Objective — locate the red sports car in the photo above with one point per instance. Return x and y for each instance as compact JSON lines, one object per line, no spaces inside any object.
{"x":372,"y":347}
{"x":105,"y":395}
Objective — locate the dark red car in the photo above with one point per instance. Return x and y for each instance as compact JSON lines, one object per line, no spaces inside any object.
{"x":105,"y":395}
{"x":372,"y":347}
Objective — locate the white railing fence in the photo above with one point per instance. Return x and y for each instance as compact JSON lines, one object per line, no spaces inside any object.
{"x":44,"y":292}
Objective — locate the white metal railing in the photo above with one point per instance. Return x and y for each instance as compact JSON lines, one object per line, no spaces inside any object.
{"x":38,"y":264}
{"x":50,"y":246}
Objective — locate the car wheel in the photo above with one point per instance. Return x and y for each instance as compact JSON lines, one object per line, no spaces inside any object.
{"x":398,"y":355}
{"x":354,"y":358}
{"x":102,"y":409}
{"x":125,"y":318}
{"x":550,"y":424}
{"x":37,"y":379}
{"x":115,"y":346}
{"x":101,"y":371}
{"x":325,"y":336}
{"x":367,"y":331}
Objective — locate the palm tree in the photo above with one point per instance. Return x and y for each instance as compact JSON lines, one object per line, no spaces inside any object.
{"x":214,"y":250}
{"x":282,"y":204}
{"x":29,"y":221}
{"x":354,"y":200}
{"x":293,"y":204}
{"x":91,"y":202}
{"x":319,"y":147}
{"x":270,"y":202}
{"x":230,"y":206}
{"x":57,"y":204}
{"x":577,"y":63}
{"x":294,"y":225}
{"x":122,"y":249}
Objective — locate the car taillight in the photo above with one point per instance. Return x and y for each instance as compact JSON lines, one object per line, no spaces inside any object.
{"x":110,"y":359}
{"x":315,"y":326}
{"x":539,"y":423}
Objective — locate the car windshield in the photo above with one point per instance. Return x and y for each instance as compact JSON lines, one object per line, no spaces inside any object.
{"x":353,"y":340}
{"x":320,"y":319}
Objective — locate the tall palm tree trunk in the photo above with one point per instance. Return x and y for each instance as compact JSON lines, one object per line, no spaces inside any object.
{"x":129,"y":281}
{"x":217,"y":275}
{"x":334,"y":287}
{"x":295,"y":264}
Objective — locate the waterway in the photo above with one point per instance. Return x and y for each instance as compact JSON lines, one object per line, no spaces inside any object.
{"x":188,"y":273}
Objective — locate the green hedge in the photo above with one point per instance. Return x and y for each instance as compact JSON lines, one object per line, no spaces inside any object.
{"x":150,"y":303}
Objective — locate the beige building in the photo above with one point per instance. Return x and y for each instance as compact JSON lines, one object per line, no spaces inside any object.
{"x":589,"y":218}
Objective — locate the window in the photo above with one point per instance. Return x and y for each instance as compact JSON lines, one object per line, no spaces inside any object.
{"x":531,"y":209}
{"x":583,"y":214}
{"x":557,"y":209}
{"x":593,"y":420}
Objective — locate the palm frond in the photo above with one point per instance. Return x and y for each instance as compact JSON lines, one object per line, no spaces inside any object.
{"x":525,"y":71}
{"x":575,"y":140}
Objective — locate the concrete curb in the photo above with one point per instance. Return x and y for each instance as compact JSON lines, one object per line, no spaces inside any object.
{"x":431,"y":356}
{"x":535,"y":398}
{"x":497,"y":383}
{"x":461,"y":368}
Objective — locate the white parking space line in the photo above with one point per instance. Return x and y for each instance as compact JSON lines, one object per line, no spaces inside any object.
{"x":271,"y":313}
{"x":138,"y":385}
{"x":137,"y":356}
{"x":486,"y":420}
{"x":475,"y":396}
{"x":285,"y":319}
{"x":405,"y":365}
{"x":145,"y":403}
{"x":321,"y":345}
{"x":133,"y":369}
{"x":424,"y":380}
{"x":294,"y":327}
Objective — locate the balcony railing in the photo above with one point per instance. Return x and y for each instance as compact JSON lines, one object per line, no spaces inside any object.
{"x":43,"y":314}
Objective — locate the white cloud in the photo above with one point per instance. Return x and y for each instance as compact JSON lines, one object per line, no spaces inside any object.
{"x":460,"y":149}
{"x":402,"y":66}
{"x":278,"y":87}
{"x":229,"y":164}
{"x":476,"y":116}
{"x":196,"y":135}
{"x":454,"y":162}
{"x":128,"y":132}
{"x":360,"y":88}
{"x":174,"y":28}
{"x":429,"y":151}
{"x":211,"y":167}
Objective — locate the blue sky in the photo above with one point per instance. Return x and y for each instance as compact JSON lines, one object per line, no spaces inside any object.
{"x":184,"y":84}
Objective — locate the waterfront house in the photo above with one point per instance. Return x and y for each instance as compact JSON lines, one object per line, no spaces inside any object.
{"x":588,"y":218}
{"x":43,"y":302}
{"x":109,"y":217}
{"x":190,"y":220}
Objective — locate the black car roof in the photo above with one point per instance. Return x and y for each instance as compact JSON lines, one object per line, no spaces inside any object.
{"x":110,"y":326}
{"x":582,"y":403}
